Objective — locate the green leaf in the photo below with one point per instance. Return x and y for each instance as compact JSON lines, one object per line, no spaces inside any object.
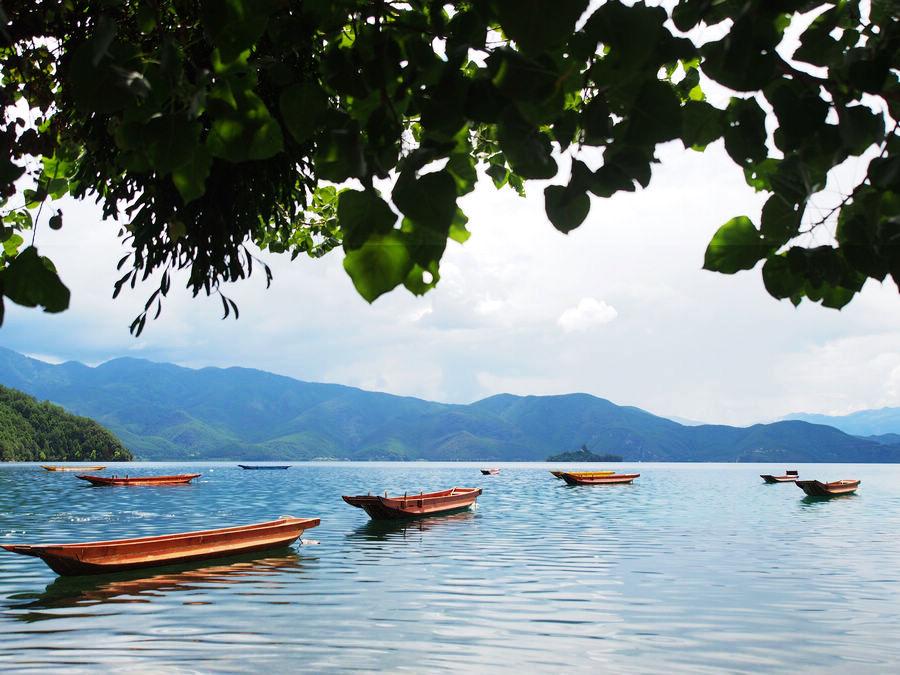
{"x":533,"y":27}
{"x":527,"y":149}
{"x":499,"y":175}
{"x":737,"y":245}
{"x":379,"y":265}
{"x":859,"y":128}
{"x":190,"y":178}
{"x":243,"y":131}
{"x":745,"y":135}
{"x":170,"y":141}
{"x":566,"y":207}
{"x":31,"y":280}
{"x":302,"y":107}
{"x":429,"y":201}
{"x":655,"y":116}
{"x":235,"y":25}
{"x":361,"y":215}
{"x":745,"y":58}
{"x":702,"y":124}
{"x":780,"y":281}
{"x":780,"y":220}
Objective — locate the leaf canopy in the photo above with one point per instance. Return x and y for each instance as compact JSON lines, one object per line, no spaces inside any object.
{"x":211,"y":128}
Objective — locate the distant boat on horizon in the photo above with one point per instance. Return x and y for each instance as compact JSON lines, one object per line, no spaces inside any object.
{"x":264,"y":467}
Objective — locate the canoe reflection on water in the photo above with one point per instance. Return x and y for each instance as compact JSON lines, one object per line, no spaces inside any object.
{"x":140,"y":587}
{"x":382,"y":530}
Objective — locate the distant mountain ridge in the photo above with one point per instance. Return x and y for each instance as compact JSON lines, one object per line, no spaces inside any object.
{"x":163,"y":411}
{"x":861,"y":423}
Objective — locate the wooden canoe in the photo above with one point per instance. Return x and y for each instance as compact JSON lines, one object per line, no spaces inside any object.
{"x":102,"y":557}
{"x":788,"y":477}
{"x":816,"y":488}
{"x":72,"y":468}
{"x":260,"y":467}
{"x":415,"y":505}
{"x":584,"y":474}
{"x":608,"y":479}
{"x":490,"y":472}
{"x":179,"y":479}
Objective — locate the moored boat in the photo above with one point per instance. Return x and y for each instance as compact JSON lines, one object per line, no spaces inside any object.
{"x":815,"y":488}
{"x":49,"y":467}
{"x":788,"y":477}
{"x":103,"y":557}
{"x":415,"y":505}
{"x":178,"y":479}
{"x":263,"y":467}
{"x":608,"y":479}
{"x":490,"y":472}
{"x":585,"y":474}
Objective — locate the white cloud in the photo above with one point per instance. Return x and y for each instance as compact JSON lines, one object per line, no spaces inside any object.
{"x":589,"y":312}
{"x":684,"y":341}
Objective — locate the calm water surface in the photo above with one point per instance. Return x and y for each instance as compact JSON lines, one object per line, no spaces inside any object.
{"x":699,"y":568}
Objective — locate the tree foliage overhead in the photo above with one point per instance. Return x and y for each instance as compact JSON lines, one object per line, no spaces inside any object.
{"x":207,"y":127}
{"x":33,"y":431}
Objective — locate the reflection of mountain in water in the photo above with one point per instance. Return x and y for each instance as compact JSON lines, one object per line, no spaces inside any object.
{"x":384,"y":530}
{"x":137,"y":586}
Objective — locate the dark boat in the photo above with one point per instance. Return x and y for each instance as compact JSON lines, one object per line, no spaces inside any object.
{"x":261,"y":467}
{"x":788,"y":477}
{"x":490,"y":472}
{"x":71,"y":468}
{"x":415,"y":506}
{"x":141,"y":480}
{"x":103,"y":557}
{"x":612,"y":479}
{"x":816,"y":488}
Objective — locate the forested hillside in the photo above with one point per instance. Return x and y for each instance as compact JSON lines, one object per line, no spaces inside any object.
{"x":35,"y":431}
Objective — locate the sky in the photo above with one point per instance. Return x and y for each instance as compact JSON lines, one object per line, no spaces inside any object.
{"x":619,"y":308}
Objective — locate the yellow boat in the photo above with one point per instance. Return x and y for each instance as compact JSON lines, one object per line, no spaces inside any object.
{"x":583,"y":474}
{"x":72,"y":468}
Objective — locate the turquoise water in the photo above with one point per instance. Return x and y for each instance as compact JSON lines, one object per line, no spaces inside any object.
{"x":695,"y":568}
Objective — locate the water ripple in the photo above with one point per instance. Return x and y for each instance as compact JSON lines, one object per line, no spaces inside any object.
{"x":693,"y":568}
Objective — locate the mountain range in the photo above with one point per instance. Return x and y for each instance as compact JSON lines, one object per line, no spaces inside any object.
{"x":163,"y":411}
{"x":883,"y":423}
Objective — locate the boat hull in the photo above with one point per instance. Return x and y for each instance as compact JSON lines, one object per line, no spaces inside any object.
{"x":72,"y":468}
{"x":247,"y":467}
{"x":490,"y":472}
{"x":816,"y":488}
{"x":778,"y":479}
{"x":105,"y":557}
{"x":614,"y":479}
{"x":141,"y":480}
{"x":416,"y":506}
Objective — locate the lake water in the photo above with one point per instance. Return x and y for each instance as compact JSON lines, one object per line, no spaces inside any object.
{"x":694,"y":568}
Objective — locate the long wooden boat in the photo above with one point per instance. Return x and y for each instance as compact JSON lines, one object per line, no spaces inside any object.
{"x":788,"y":477}
{"x":72,"y":468}
{"x":816,"y":488}
{"x":490,"y":472}
{"x":559,"y":474}
{"x":263,"y":467}
{"x":609,"y":479}
{"x":415,"y":505}
{"x":178,"y":479}
{"x":102,"y":557}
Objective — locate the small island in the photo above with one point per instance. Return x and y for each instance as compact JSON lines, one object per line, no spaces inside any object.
{"x":583,"y":455}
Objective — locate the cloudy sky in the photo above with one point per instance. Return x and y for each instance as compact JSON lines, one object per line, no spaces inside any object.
{"x":620,"y":308}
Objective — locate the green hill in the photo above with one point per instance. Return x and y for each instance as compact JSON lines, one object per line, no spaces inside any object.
{"x":162,"y":411}
{"x":34,"y":431}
